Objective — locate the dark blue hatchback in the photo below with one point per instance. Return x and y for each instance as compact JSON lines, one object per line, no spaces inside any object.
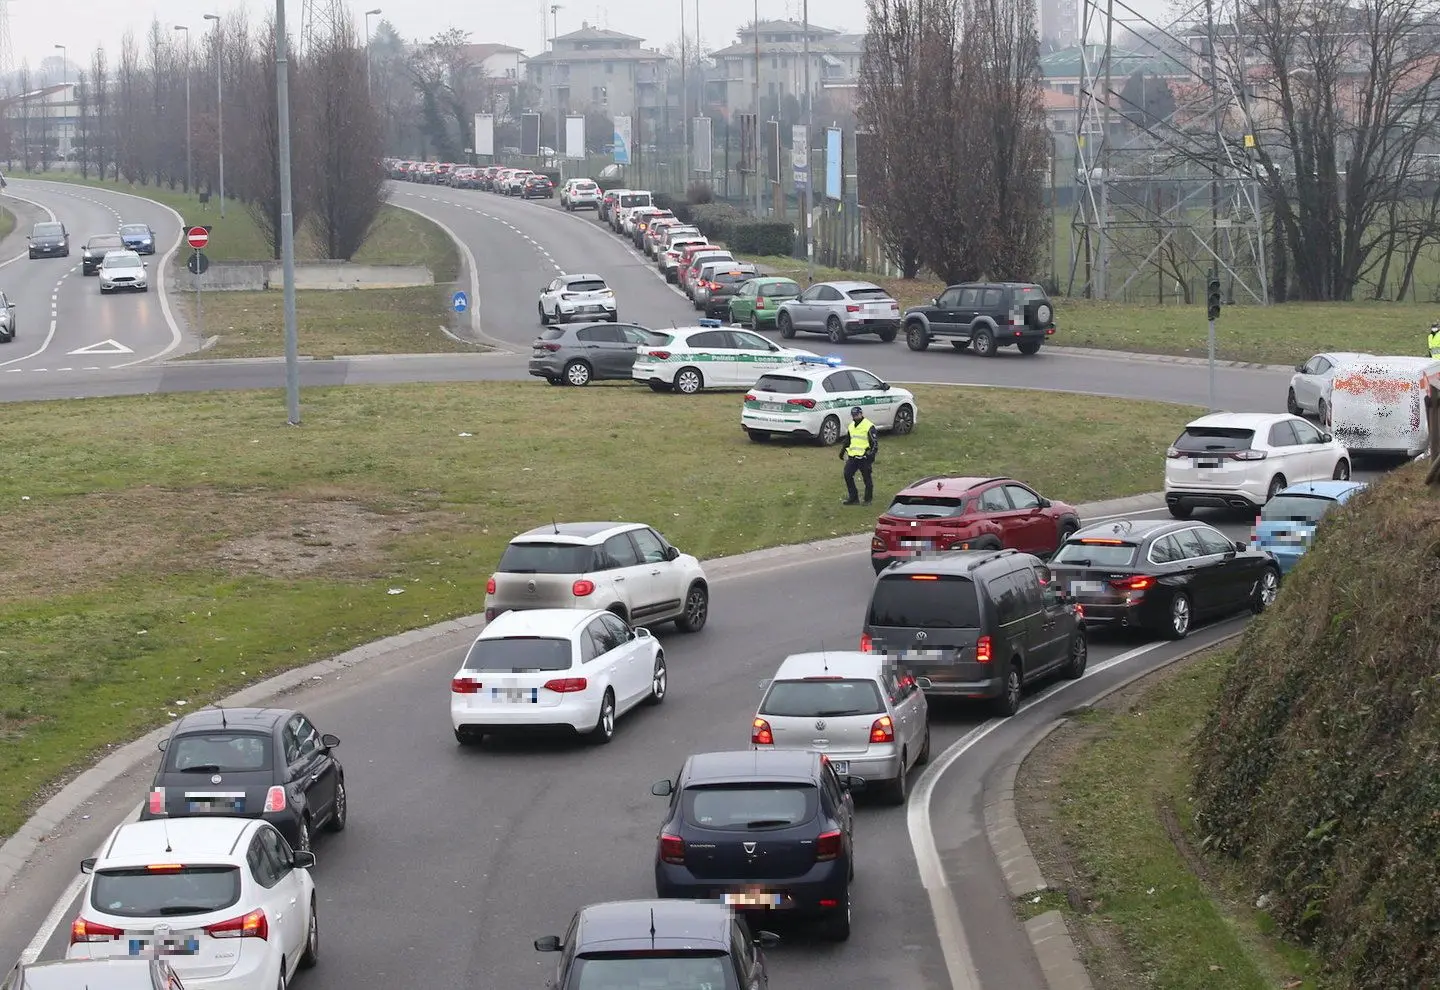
{"x":760,"y":831}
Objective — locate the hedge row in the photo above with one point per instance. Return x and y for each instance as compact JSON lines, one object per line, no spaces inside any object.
{"x":740,"y":232}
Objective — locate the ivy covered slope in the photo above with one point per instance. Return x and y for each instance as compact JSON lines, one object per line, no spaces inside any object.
{"x":1319,"y":769}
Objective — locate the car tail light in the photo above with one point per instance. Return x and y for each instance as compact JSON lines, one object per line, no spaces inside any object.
{"x":567,"y":685}
{"x":750,"y":397}
{"x":582,"y":588}
{"x":1248,"y":455}
{"x":852,"y":308}
{"x":882,"y":730}
{"x":1079,"y":611}
{"x":552,"y":348}
{"x":490,"y":587}
{"x":867,"y":643}
{"x":1137,"y":583}
{"x":877,"y":543}
{"x":1049,"y":331}
{"x":157,"y":801}
{"x":274,"y":799}
{"x":1173,"y":452}
{"x":662,"y":355}
{"x":984,"y":650}
{"x":760,"y":734}
{"x":672,"y":849}
{"x":829,"y":845}
{"x":464,"y":685}
{"x":759,"y":302}
{"x":252,"y":925}
{"x":91,"y":931}
{"x":807,"y":403}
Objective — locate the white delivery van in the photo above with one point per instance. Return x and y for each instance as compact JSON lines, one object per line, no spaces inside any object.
{"x":1377,"y":405}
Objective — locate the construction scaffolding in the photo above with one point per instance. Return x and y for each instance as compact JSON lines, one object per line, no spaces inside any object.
{"x":1161,"y":200}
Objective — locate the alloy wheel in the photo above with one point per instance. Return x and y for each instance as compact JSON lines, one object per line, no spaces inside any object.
{"x":1180,"y":615}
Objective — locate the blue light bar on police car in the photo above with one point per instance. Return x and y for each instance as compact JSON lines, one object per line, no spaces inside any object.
{"x":709,"y":323}
{"x":829,"y":360}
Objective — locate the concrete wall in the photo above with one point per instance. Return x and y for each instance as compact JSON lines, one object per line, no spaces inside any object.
{"x":252,"y":276}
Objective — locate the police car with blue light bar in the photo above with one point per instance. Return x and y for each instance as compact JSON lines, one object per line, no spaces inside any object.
{"x":812,"y":398}
{"x":708,"y":355}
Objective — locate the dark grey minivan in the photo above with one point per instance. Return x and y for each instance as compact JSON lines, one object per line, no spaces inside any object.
{"x":976,"y":624}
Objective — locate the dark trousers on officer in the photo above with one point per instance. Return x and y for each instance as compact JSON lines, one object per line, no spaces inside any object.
{"x":862,"y":465}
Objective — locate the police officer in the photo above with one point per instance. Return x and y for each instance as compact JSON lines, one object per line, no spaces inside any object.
{"x":1435,"y":342}
{"x":859,"y":455}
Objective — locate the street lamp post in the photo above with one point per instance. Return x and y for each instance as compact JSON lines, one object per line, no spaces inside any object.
{"x":684,"y":110}
{"x":809,"y":179}
{"x":287,"y":216}
{"x":189,"y":175}
{"x":368,"y":14}
{"x":755,"y":109}
{"x":220,"y":104}
{"x":64,"y":64}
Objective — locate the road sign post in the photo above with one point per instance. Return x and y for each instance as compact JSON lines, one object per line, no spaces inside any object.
{"x":1212,"y":302}
{"x":197,"y":238}
{"x":460,"y":301}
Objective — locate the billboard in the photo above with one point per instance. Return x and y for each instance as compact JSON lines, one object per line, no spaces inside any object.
{"x":772,"y":150}
{"x":868,"y":165}
{"x":749,"y":146}
{"x":530,"y":134}
{"x":800,"y":156}
{"x":834,"y":155}
{"x":574,"y":137}
{"x":485,"y":134}
{"x":704,"y":150}
{"x":621,"y":140}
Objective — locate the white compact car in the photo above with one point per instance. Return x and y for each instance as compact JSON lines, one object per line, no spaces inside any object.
{"x":580,"y":194}
{"x":1240,"y":460}
{"x":813,"y":399}
{"x":225,"y":900}
{"x":122,"y":270}
{"x":1310,"y":385}
{"x":710,"y":355}
{"x":560,"y":668}
{"x":515,"y":181}
{"x":577,"y":297}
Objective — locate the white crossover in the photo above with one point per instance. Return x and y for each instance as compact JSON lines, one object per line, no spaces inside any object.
{"x":813,"y":399}
{"x":226,"y":901}
{"x":710,"y":355}
{"x":580,"y":194}
{"x":122,"y":270}
{"x":563,"y":668}
{"x":577,"y":297}
{"x":1310,"y":385}
{"x":1241,"y":460}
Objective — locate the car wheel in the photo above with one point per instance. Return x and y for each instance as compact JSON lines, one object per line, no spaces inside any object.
{"x":759,"y":436}
{"x":1179,"y":624}
{"x":899,"y":788}
{"x":1277,"y":485}
{"x":917,"y":338}
{"x":1179,"y":510}
{"x":829,"y":434}
{"x":1323,"y":414}
{"x":787,"y":329}
{"x":341,"y":811}
{"x":697,"y":609}
{"x":1292,"y":406}
{"x":1265,"y":590}
{"x":577,"y":373}
{"x":904,"y":421}
{"x":1342,"y":470}
{"x":834,"y":331}
{"x":924,"y":756}
{"x":752,"y":324}
{"x":604,"y":730}
{"x":1009,"y":701}
{"x":983,"y":343}
{"x":1043,"y":312}
{"x":1028,"y":347}
{"x":1067,"y":529}
{"x":305,"y":842}
{"x":1079,"y":656}
{"x":659,"y":680}
{"x":688,"y":381}
{"x":311,"y":956}
{"x":544,"y":320}
{"x":838,"y":927}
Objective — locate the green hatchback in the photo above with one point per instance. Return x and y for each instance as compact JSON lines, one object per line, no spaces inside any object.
{"x":758,"y":301}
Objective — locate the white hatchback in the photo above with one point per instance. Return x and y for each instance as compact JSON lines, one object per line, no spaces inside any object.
{"x":1241,"y":460}
{"x":563,"y":668}
{"x":580,"y":194}
{"x":225,"y":900}
{"x":122,"y":270}
{"x":710,"y":355}
{"x":813,"y":399}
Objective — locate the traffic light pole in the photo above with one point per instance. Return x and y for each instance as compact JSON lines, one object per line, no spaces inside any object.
{"x":1213,"y":311}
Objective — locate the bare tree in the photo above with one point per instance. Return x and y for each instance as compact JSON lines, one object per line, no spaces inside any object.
{"x":23,"y":83}
{"x":128,"y":143}
{"x":256,"y":180}
{"x":102,"y":148}
{"x":445,"y":78}
{"x":84,"y":133}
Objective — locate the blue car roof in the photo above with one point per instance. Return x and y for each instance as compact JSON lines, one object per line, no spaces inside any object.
{"x":1340,"y":491}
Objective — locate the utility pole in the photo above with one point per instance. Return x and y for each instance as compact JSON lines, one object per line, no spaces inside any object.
{"x":369,"y":89}
{"x":1102,"y":288}
{"x":755,"y":109}
{"x":684,"y":110}
{"x":809,"y":179}
{"x":220,"y":103}
{"x":559,"y":119}
{"x":287,"y":216}
{"x":1213,"y":300}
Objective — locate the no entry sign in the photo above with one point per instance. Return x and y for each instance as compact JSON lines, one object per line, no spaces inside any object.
{"x":197,"y":237}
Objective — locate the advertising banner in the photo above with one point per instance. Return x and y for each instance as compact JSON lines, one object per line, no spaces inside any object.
{"x":704,"y":149}
{"x":530,"y":134}
{"x":834,"y":156}
{"x":574,"y":137}
{"x":772,"y":150}
{"x":621,"y":141}
{"x":800,"y":156}
{"x":749,"y":146}
{"x":485,"y":134}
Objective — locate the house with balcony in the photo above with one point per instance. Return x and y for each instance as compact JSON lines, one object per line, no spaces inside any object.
{"x":835,"y":59}
{"x":598,"y":69}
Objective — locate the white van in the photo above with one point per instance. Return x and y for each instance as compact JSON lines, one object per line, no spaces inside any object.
{"x":1377,"y":405}
{"x":627,"y":200}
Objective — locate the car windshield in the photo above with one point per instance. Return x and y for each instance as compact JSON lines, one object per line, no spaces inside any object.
{"x":652,"y":970}
{"x":868,"y":293}
{"x":1297,"y":508}
{"x":927,"y":601}
{"x":823,"y":698}
{"x":783,"y":384}
{"x":122,"y":261}
{"x":151,"y":892}
{"x":588,"y":285}
{"x":1214,"y":439}
{"x":746,"y":807}
{"x":546,"y":558}
{"x":1107,"y":554}
{"x":519,"y":655}
{"x":48,"y":230}
{"x":218,"y":752}
{"x":135,"y":229}
{"x":926,"y":507}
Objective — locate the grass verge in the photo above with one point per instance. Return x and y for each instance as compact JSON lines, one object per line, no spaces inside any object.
{"x":1104,"y":802}
{"x":7,"y":223}
{"x":173,"y":548}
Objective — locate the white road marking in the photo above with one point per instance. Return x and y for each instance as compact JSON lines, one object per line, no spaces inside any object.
{"x":953,"y":943}
{"x":108,"y":346}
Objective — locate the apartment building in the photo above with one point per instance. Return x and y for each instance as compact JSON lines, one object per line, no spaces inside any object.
{"x":834,"y":65}
{"x":598,"y":69}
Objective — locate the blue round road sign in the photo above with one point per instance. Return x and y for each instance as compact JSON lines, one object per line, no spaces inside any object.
{"x":461,"y":302}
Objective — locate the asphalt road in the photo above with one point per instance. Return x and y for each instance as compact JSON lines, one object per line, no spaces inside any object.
{"x":68,"y":331}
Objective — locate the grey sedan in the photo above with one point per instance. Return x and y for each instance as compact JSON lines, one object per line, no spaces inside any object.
{"x":840,"y":310}
{"x":580,"y":353}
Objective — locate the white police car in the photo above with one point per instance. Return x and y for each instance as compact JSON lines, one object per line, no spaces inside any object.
{"x":813,"y":397}
{"x":709,"y":355}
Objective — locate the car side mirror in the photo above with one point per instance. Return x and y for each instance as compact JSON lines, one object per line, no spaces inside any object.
{"x":162,"y":744}
{"x":662,"y":788}
{"x":672,"y":553}
{"x":88,"y":865}
{"x":884,"y":386}
{"x":1240,"y":546}
{"x":640,"y":632}
{"x":547,"y":943}
{"x":923,"y":683}
{"x":329,"y":740}
{"x":767,"y":940}
{"x":935,"y":301}
{"x":1326,"y":437}
{"x":852,"y":783}
{"x":302,"y":859}
{"x":1045,"y":503}
{"x":1300,"y":367}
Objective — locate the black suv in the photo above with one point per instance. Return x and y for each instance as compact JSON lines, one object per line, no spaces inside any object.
{"x":983,"y":316}
{"x":95,"y":249}
{"x":977,"y":624}
{"x":654,"y":943}
{"x":764,"y":830}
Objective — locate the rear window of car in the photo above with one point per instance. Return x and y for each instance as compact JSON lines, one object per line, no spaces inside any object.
{"x":547,"y":558}
{"x":584,"y":187}
{"x":1297,"y":508}
{"x":1209,"y":439}
{"x":554,"y":333}
{"x":875,"y":293}
{"x":147,"y":892}
{"x":219,"y":752}
{"x":926,"y":507}
{"x":749,"y":807}
{"x":519,"y":655}
{"x":644,"y":969}
{"x":732,"y":278}
{"x":635,"y":199}
{"x":925,"y":601}
{"x":657,"y":339}
{"x":823,"y":698}
{"x":782,"y":383}
{"x":589,"y":285}
{"x":1083,"y":554}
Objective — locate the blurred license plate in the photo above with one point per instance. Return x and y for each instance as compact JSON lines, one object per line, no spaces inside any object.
{"x":1086,"y":587}
{"x":516,"y":694}
{"x":842,"y":767}
{"x":168,"y":947}
{"x":1288,"y":539}
{"x":1206,"y":464}
{"x":916,"y":544}
{"x":771,"y":406}
{"x":750,"y":898}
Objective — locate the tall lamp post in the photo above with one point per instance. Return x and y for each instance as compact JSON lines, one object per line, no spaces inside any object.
{"x":684,"y":110}
{"x":189,"y":177}
{"x":809,"y":179}
{"x":755,"y":108}
{"x":287,"y":216}
{"x":368,"y":14}
{"x":64,"y":64}
{"x":220,"y":103}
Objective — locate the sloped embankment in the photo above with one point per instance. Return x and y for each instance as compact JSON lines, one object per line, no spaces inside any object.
{"x":1319,"y":769}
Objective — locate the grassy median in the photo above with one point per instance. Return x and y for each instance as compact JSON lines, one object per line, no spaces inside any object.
{"x":173,"y":548}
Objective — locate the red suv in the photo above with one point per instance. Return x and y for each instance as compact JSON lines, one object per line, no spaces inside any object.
{"x":941,"y":513}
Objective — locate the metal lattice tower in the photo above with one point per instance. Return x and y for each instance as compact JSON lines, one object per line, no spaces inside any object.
{"x":7,"y":47}
{"x":1151,"y":208}
{"x":320,"y":20}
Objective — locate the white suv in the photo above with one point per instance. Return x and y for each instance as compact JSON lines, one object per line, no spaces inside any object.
{"x":225,"y":900}
{"x":1241,"y":460}
{"x":580,"y":194}
{"x":625,"y":568}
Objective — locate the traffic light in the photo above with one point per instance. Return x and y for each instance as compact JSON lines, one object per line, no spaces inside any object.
{"x":1214,"y":299}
